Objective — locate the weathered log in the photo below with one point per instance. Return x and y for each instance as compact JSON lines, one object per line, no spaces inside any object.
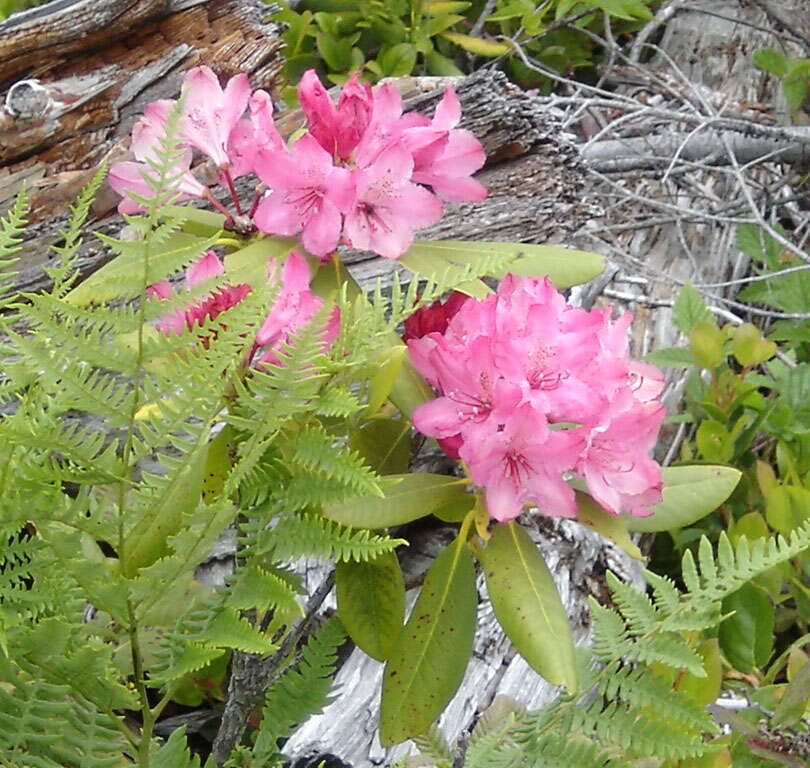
{"x":658,"y":150}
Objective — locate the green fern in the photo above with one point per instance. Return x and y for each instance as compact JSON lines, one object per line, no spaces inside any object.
{"x":630,"y":711}
{"x":302,"y":690}
{"x":29,"y":712}
{"x":64,"y":274}
{"x":310,"y":535}
{"x":12,"y":228}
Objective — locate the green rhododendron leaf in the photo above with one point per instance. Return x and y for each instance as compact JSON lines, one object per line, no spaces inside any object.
{"x":371,"y":602}
{"x":407,"y":497}
{"x":428,"y":661}
{"x":746,"y":638}
{"x":690,"y":493}
{"x":384,"y":444}
{"x":382,"y":382}
{"x":249,"y":265}
{"x":527,"y":604}
{"x":148,"y":539}
{"x":613,"y":528}
{"x":563,"y":266}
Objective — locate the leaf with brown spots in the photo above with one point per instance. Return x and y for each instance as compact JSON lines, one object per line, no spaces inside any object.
{"x":428,"y":661}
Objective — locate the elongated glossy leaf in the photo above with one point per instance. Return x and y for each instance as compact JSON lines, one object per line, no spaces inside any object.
{"x":428,"y":661}
{"x":371,"y":603}
{"x":148,"y":539}
{"x":384,"y":444}
{"x":249,"y":265}
{"x":746,"y":638}
{"x":382,"y":382}
{"x":690,"y":493}
{"x":407,"y":497}
{"x":613,"y":528}
{"x":477,"y":45}
{"x":527,"y":604}
{"x":198,"y":220}
{"x":409,"y":389}
{"x":563,"y":266}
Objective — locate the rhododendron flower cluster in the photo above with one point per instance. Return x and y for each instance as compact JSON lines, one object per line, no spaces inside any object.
{"x":363,"y":173}
{"x":293,"y":307}
{"x":533,"y":392}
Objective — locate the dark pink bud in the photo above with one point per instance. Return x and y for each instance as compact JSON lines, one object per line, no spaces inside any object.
{"x":434,"y":317}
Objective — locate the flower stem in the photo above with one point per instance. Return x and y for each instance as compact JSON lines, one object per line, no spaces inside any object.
{"x":257,"y":198}
{"x":219,"y":206}
{"x":229,"y":181}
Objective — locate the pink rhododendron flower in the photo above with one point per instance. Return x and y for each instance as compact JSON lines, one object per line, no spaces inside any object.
{"x":131,"y":177}
{"x":295,"y":305}
{"x":532,"y":391}
{"x":444,"y":156}
{"x":363,"y":173}
{"x":309,"y":194}
{"x":210,"y":114}
{"x":221,"y":299}
{"x":387,"y":207}
{"x":521,"y":460}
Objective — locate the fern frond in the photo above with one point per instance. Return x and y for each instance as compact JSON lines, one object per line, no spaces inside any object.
{"x":317,"y":451}
{"x":254,"y":587}
{"x":641,"y":734}
{"x":63,"y":274}
{"x":173,"y":753}
{"x":337,"y":402}
{"x":301,"y":691}
{"x":47,"y":725}
{"x":433,"y":747}
{"x":309,"y":535}
{"x":643,"y":690}
{"x":12,"y":228}
{"x":554,"y":751}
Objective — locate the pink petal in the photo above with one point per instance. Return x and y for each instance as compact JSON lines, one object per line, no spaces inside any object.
{"x":438,"y":418}
{"x":296,"y":274}
{"x":320,"y":111}
{"x":205,"y":268}
{"x":234,"y":101}
{"x":454,"y":190}
{"x":503,"y":503}
{"x":161,"y":290}
{"x":261,"y":115}
{"x":393,"y":167}
{"x":353,"y":115}
{"x":340,"y":189}
{"x":322,"y":230}
{"x":241,"y":150}
{"x":448,"y":112}
{"x":275,"y":217}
